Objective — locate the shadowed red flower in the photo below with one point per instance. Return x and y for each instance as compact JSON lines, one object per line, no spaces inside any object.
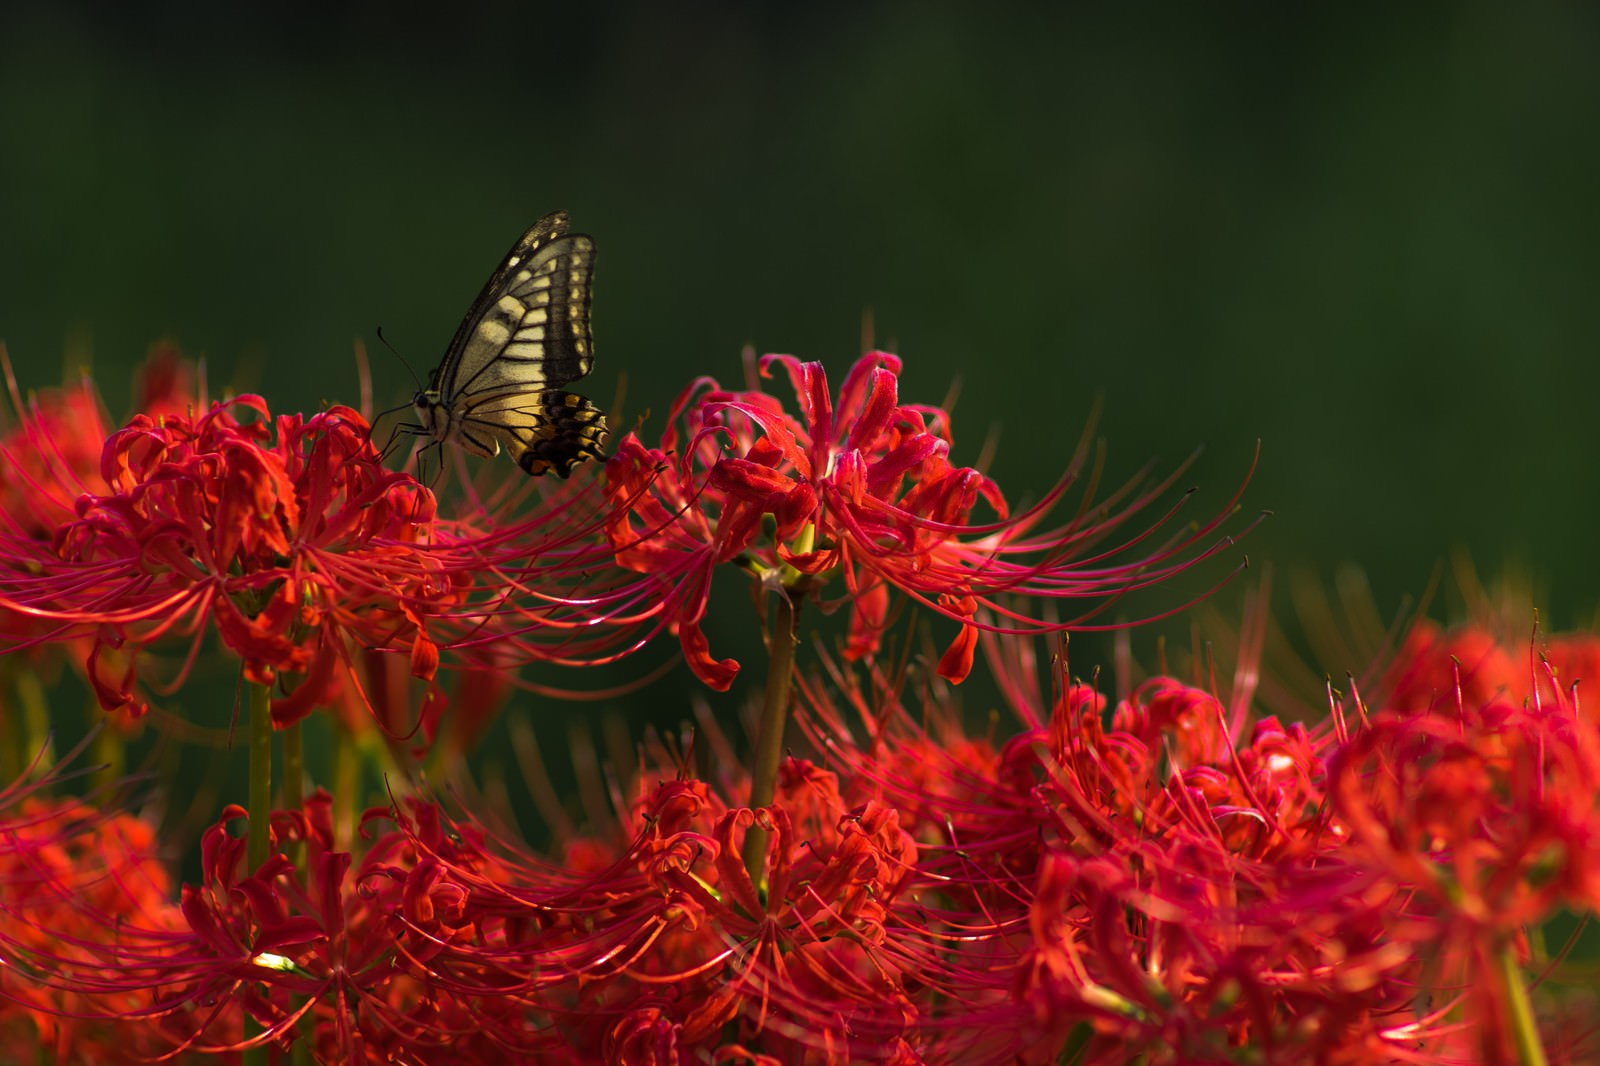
{"x":323,"y":950}
{"x":861,"y":489}
{"x":49,"y":459}
{"x":1166,"y":872}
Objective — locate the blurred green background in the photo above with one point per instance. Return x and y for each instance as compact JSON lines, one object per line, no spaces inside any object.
{"x":1369,"y":239}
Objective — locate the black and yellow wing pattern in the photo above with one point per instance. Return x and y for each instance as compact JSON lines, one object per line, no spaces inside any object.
{"x":526,"y":336}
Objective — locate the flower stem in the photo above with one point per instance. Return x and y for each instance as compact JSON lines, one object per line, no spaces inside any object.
{"x":111,"y":754}
{"x":294,"y":788}
{"x":260,"y":839}
{"x":36,"y":715}
{"x":769,"y":736}
{"x":1524,"y":1028}
{"x":346,"y":783}
{"x":258,"y":845}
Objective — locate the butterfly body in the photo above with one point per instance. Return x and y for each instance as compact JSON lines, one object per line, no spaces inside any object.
{"x":526,"y":335}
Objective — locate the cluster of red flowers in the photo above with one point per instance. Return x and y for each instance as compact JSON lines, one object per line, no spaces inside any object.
{"x":66,"y":870}
{"x":1164,"y":875}
{"x":862,"y":490}
{"x":1169,"y":878}
{"x":286,"y":537}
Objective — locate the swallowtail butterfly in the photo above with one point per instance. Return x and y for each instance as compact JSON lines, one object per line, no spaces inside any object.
{"x":526,"y":336}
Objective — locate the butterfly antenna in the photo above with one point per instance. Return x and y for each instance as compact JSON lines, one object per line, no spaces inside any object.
{"x":400,"y":357}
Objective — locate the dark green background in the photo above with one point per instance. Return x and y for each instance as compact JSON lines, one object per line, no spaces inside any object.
{"x":1368,"y":238}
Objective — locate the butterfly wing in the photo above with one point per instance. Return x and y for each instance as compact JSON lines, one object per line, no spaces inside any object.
{"x":547,"y":430}
{"x":526,"y":335}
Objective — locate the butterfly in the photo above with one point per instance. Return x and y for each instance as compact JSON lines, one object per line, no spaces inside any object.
{"x":526,"y":335}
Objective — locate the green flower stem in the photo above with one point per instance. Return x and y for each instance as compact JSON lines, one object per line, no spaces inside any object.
{"x":27,"y":734}
{"x":111,"y":754}
{"x":770,"y":733}
{"x":294,"y":767}
{"x":1524,"y":1027}
{"x":11,"y":738}
{"x":346,"y":783}
{"x":294,"y":787}
{"x":294,"y":795}
{"x":259,"y":846}
{"x":36,"y":715}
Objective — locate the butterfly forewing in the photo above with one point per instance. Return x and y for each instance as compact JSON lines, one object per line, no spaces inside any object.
{"x":526,"y":335}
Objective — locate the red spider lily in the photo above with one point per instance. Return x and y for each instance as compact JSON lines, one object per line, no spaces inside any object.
{"x":1177,"y":876}
{"x":1165,"y":873}
{"x":287,"y":537}
{"x":307,"y":955}
{"x":69,"y":872}
{"x":286,"y":542}
{"x":52,"y":456}
{"x":49,"y":459}
{"x":863,"y":489}
{"x":669,"y":949}
{"x":1485,"y":813}
{"x":1470,"y":666}
{"x":320,"y":949}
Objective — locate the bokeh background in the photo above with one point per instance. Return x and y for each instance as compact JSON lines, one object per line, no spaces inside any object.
{"x":1368,"y":239}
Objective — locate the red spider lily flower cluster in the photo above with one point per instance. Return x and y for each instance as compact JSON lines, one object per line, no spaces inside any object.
{"x":1472,"y":666}
{"x":286,"y":536}
{"x":48,"y":460}
{"x":1164,"y":874}
{"x":306,"y":953}
{"x":670,"y":951}
{"x":1169,"y":874}
{"x":1177,"y":876}
{"x":68,"y":871}
{"x":862,"y":488}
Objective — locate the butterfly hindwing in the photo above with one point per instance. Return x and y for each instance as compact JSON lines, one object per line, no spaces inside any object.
{"x":526,"y":335}
{"x":568,"y":430}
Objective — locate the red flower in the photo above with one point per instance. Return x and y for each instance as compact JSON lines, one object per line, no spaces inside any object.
{"x":290,"y":541}
{"x":1165,"y":873}
{"x":52,"y":456}
{"x":323,"y":948}
{"x":1470,"y":666}
{"x":316,"y":954}
{"x":287,"y":543}
{"x":69,"y":873}
{"x":861,"y":490}
{"x":670,"y":949}
{"x":49,"y":459}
